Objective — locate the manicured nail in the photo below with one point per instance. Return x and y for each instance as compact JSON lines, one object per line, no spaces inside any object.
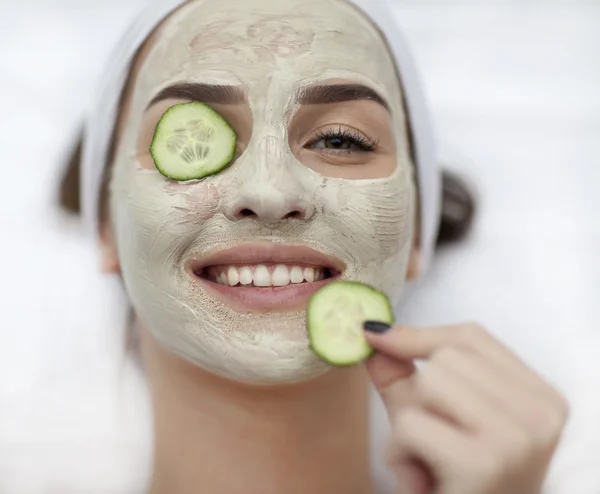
{"x":376,"y":326}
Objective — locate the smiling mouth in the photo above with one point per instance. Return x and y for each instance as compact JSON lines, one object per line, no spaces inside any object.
{"x":265,"y":277}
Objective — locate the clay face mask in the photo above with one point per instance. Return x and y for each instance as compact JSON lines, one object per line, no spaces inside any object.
{"x":271,"y":50}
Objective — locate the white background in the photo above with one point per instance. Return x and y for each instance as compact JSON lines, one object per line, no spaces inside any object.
{"x":515,"y":90}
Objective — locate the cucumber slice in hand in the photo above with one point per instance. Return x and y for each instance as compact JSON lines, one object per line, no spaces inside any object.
{"x":335,"y":318}
{"x":192,"y":141}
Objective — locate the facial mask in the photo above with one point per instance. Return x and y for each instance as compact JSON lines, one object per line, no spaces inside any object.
{"x":272,"y":49}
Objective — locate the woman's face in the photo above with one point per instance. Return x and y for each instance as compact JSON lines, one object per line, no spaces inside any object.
{"x":220,"y":270}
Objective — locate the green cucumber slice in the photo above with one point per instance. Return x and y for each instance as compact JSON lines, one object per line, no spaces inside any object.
{"x":192,"y":141}
{"x":335,"y":318}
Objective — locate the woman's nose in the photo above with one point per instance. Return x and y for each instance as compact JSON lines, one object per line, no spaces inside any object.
{"x":270,"y":209}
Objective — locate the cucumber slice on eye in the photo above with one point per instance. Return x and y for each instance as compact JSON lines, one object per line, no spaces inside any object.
{"x":335,"y":318}
{"x":192,"y":141}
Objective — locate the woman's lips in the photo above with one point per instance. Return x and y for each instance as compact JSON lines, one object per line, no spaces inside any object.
{"x":265,"y":277}
{"x":268,"y":253}
{"x":265,"y":299}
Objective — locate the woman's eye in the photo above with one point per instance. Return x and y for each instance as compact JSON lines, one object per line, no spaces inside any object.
{"x":338,"y":142}
{"x":343,"y":140}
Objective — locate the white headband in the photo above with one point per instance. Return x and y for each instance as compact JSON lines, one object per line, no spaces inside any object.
{"x":102,"y":117}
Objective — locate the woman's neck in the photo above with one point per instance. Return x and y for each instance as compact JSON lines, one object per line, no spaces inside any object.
{"x":214,"y":435}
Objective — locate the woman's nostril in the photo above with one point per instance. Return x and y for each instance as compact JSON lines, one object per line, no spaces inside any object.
{"x":246,"y":213}
{"x":297,"y":215}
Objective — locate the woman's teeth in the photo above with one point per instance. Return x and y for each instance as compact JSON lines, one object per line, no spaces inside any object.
{"x":265,"y":276}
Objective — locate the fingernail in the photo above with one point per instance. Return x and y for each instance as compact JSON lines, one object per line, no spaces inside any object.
{"x":376,"y":326}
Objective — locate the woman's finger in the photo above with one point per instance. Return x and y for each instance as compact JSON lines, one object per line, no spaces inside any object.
{"x":453,"y":396}
{"x":515,"y":395}
{"x":415,"y":477}
{"x":391,"y":378}
{"x":408,"y":343}
{"x":429,"y":439}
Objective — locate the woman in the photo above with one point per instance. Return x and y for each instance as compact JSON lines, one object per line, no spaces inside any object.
{"x":333,"y":175}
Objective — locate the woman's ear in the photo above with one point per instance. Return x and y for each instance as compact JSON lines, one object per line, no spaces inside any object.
{"x":108,"y":250}
{"x":414,"y":264}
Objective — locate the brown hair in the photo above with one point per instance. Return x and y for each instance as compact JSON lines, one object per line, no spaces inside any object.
{"x":70,"y":194}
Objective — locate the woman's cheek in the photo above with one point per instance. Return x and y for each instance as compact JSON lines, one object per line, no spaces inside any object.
{"x":197,"y":202}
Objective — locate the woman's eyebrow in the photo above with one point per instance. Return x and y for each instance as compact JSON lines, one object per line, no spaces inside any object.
{"x":337,"y":93}
{"x":206,"y":93}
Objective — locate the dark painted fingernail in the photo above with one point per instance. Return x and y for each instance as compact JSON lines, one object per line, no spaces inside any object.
{"x":376,"y":326}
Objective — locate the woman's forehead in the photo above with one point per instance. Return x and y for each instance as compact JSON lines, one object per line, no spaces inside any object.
{"x":249,"y":42}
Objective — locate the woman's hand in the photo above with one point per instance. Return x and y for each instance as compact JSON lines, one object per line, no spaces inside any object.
{"x":473,"y":420}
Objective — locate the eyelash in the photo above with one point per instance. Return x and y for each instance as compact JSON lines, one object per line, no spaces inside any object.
{"x":354,"y":137}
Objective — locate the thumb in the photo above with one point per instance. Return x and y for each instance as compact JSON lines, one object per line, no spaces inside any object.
{"x":391,"y":379}
{"x":386,"y":371}
{"x":391,"y":376}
